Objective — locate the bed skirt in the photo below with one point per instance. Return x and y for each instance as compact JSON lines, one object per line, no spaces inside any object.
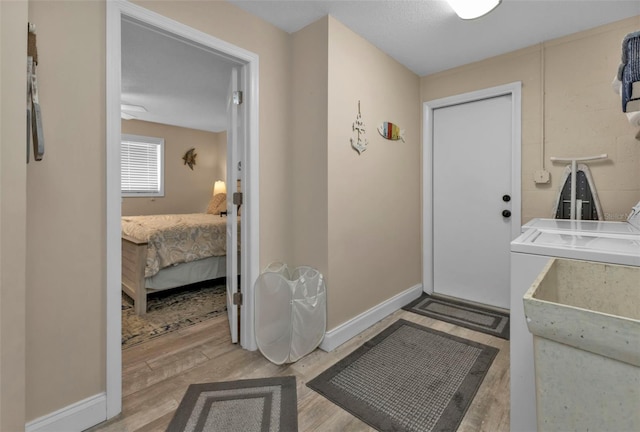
{"x":191,"y":272}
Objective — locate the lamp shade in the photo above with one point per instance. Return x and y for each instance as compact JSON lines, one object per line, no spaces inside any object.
{"x":470,"y":9}
{"x":219,"y":187}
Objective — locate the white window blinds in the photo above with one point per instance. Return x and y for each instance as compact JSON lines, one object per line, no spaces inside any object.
{"x":141,"y":166}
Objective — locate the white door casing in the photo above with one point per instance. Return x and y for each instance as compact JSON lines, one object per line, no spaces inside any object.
{"x":249,"y":72}
{"x":234,"y":139}
{"x":465,"y":237}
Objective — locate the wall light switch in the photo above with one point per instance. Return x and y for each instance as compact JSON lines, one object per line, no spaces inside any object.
{"x":541,"y":176}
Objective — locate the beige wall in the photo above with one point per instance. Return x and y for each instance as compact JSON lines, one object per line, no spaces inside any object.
{"x":13,"y":185}
{"x":309,"y":153}
{"x":66,"y":210}
{"x":374,"y":198}
{"x":356,"y":217}
{"x":582,"y":115}
{"x":185,"y":190}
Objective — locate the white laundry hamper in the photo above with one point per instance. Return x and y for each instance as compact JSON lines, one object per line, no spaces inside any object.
{"x":291,"y":312}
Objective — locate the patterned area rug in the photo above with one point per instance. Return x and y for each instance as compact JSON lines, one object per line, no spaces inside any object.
{"x":255,"y":405}
{"x":408,"y":378}
{"x":172,"y":310}
{"x":466,"y":315}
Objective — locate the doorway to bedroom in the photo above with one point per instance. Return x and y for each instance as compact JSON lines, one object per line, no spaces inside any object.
{"x":181,"y":151}
{"x":173,"y":165}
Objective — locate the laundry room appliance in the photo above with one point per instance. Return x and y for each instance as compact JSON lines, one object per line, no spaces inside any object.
{"x":627,"y":227}
{"x":542,"y":239}
{"x":582,"y":225}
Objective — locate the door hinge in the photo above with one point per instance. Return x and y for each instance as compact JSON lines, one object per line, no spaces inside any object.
{"x":237,"y":198}
{"x":237,"y":97}
{"x":237,"y":298}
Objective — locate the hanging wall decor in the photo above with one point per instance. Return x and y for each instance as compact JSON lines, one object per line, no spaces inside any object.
{"x":35,"y":130}
{"x":391,"y":131}
{"x":359,"y":144}
{"x":189,"y":157}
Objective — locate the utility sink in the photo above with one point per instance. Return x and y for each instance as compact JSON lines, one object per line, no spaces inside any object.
{"x":591,"y":306}
{"x":585,"y":319}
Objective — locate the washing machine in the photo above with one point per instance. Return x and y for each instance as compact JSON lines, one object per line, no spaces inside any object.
{"x":542,"y":239}
{"x":627,"y":227}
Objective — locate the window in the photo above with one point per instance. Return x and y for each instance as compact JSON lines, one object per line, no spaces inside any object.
{"x":141,"y":166}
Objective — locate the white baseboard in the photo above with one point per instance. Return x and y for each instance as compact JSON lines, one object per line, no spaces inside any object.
{"x":345,"y":331}
{"x":75,"y":417}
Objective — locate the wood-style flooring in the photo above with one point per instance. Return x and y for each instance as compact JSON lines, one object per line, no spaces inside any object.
{"x":156,"y":374}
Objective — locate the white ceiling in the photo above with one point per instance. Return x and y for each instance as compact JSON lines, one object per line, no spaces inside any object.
{"x":427,"y":36}
{"x":177,"y":83}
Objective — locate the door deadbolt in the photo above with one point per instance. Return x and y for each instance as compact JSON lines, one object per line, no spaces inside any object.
{"x":506,"y":198}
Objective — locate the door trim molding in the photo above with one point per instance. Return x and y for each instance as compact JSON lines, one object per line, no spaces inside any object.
{"x":249,"y":63}
{"x":515,"y":90}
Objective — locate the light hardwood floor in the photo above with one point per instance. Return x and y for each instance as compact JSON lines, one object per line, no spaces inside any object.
{"x":157,"y":373}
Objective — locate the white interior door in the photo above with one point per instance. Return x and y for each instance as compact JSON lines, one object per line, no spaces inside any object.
{"x":232,"y":219}
{"x":472,"y":172}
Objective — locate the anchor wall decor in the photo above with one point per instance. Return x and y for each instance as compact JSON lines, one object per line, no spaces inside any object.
{"x":359,"y":144}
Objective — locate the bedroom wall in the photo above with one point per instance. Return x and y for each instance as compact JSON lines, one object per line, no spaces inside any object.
{"x":374,"y":198}
{"x":185,"y":190}
{"x":581,"y":114}
{"x":65,"y":306}
{"x":13,"y":214}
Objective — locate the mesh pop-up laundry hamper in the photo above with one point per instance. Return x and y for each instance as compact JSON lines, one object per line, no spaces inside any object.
{"x":291,"y":312}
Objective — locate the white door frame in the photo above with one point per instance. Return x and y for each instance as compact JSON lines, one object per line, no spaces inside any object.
{"x":250,"y":216}
{"x":513,"y":89}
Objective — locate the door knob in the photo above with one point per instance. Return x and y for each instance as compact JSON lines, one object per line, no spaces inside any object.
{"x":506,"y":213}
{"x":506,"y":198}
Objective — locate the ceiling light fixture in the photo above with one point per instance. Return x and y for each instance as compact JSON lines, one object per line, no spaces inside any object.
{"x":470,"y":9}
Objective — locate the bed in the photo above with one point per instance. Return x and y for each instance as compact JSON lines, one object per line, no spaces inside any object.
{"x":161,"y":252}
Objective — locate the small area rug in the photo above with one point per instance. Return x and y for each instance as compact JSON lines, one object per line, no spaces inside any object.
{"x":466,"y":315}
{"x":255,"y":405}
{"x":171,"y":310}
{"x":408,"y":378}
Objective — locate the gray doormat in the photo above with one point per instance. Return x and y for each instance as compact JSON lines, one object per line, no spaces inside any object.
{"x":466,"y":315}
{"x":255,"y":405}
{"x":408,"y":378}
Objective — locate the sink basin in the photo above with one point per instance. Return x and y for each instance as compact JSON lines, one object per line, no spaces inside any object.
{"x":591,"y":306}
{"x":585,"y":321}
